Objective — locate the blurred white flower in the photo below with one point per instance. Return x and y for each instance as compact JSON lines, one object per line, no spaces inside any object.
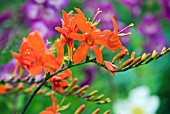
{"x":138,"y":102}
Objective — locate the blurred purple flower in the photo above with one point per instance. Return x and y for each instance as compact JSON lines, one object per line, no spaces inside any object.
{"x":150,"y":28}
{"x":4,"y":38}
{"x":166,"y":8}
{"x":156,"y":41}
{"x":4,"y":16}
{"x":91,"y":6}
{"x":58,"y":4}
{"x":43,"y":16}
{"x":149,"y":25}
{"x":42,"y":28}
{"x":105,"y":17}
{"x":7,"y":70}
{"x":40,"y":1}
{"x":133,"y":5}
{"x":90,"y":73}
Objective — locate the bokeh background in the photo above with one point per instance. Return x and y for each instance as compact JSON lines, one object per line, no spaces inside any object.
{"x":151,"y":29}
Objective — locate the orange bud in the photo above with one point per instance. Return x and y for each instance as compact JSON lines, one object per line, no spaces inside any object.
{"x":111,"y":67}
{"x":80,"y":109}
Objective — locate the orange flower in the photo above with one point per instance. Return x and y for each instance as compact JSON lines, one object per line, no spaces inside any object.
{"x":68,"y":26}
{"x":112,"y":40}
{"x":59,"y":81}
{"x":2,"y":89}
{"x":51,"y":109}
{"x":89,"y":38}
{"x":34,"y":56}
{"x":111,"y":67}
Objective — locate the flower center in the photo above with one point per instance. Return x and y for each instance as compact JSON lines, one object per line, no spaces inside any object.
{"x":112,"y":42}
{"x":89,"y":39}
{"x":137,"y":110}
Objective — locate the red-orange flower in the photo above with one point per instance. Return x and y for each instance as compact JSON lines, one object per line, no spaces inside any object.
{"x":112,"y":40}
{"x":68,"y":26}
{"x":89,"y":38}
{"x":111,"y":67}
{"x":59,"y":81}
{"x":34,"y":57}
{"x":51,"y":109}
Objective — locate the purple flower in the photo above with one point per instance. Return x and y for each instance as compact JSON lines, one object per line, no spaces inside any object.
{"x":133,"y":5}
{"x":4,"y":16}
{"x":90,"y":73}
{"x":155,"y":42}
{"x":149,"y":25}
{"x":32,"y":14}
{"x":166,"y":8}
{"x":107,"y":11}
{"x":40,"y":1}
{"x":58,"y":4}
{"x":150,"y":28}
{"x":43,"y":16}
{"x":7,"y":70}
{"x":91,"y":6}
{"x":42,"y":28}
{"x":4,"y":38}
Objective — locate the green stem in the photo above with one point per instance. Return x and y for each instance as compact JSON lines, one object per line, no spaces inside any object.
{"x":32,"y":96}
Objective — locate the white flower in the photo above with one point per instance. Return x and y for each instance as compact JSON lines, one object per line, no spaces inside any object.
{"x":138,"y":102}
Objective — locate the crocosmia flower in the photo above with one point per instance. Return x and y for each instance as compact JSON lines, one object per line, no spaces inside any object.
{"x":111,"y":39}
{"x":34,"y":57}
{"x":59,"y":81}
{"x":89,"y":38}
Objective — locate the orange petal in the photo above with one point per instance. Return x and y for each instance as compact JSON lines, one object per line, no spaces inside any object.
{"x":54,"y":102}
{"x":16,"y":55}
{"x":114,"y":24}
{"x":80,"y":53}
{"x":2,"y":89}
{"x":60,"y":89}
{"x":98,"y":54}
{"x":102,"y":41}
{"x":36,"y":42}
{"x":60,"y":49}
{"x":60,"y":30}
{"x":76,"y":36}
{"x":69,"y":73}
{"x":35,"y":70}
{"x":106,"y":32}
{"x":47,"y":112}
{"x":66,"y":18}
{"x":24,"y":47}
{"x":64,"y":83}
{"x":81,"y":22}
{"x":79,"y":11}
